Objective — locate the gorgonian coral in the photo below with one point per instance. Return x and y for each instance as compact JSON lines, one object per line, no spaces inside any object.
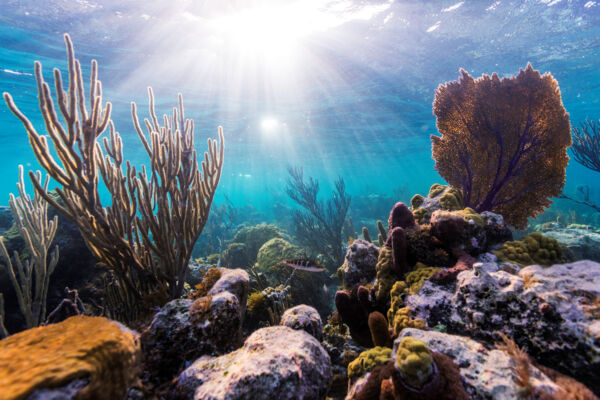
{"x":504,"y":142}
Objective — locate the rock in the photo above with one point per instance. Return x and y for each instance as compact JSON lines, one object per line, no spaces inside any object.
{"x":359,"y":263}
{"x":304,"y":318}
{"x":552,"y":313}
{"x":195,"y":272}
{"x":234,"y":281}
{"x":274,"y":362}
{"x":487,"y":374}
{"x":236,"y":256}
{"x":184,"y":330}
{"x":81,"y":357}
{"x":496,"y":231}
{"x":582,"y":241}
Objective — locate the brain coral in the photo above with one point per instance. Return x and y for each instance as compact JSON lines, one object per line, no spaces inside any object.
{"x":503,"y":142}
{"x":78,"y":347}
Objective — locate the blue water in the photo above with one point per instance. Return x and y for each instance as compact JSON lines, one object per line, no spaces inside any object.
{"x":350,"y":97}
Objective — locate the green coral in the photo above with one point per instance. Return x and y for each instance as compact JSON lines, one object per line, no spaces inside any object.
{"x":417,"y":201}
{"x":416,"y":278}
{"x":235,"y":256}
{"x":436,"y":189}
{"x":451,"y":200}
{"x":471,"y":215}
{"x":257,"y":309}
{"x":273,"y":252}
{"x":531,"y":249}
{"x":306,"y":287}
{"x":367,"y":360}
{"x":414,"y":362}
{"x":421,"y":215}
{"x":385,"y":276}
{"x":255,"y":236}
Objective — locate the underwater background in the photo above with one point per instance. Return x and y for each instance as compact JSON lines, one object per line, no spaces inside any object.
{"x":317,"y":252}
{"x":340,"y":88}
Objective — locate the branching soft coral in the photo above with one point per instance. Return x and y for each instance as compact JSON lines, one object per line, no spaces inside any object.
{"x":504,"y":142}
{"x":319,"y":227}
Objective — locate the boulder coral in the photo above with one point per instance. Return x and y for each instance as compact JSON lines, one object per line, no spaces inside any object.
{"x":99,"y":351}
{"x":496,"y":134}
{"x":532,"y":249}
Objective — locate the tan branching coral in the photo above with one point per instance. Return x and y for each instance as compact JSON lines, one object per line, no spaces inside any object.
{"x":30,"y":277}
{"x":147,"y":233}
{"x":504,"y":142}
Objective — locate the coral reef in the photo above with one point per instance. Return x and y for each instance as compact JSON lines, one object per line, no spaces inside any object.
{"x":101,"y":351}
{"x":183,"y":330}
{"x":487,"y":374}
{"x":550,"y":312}
{"x":413,"y":373}
{"x":494,"y":137}
{"x":290,"y":364}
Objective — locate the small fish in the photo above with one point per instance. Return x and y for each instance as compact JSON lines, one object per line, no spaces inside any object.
{"x":306,"y":265}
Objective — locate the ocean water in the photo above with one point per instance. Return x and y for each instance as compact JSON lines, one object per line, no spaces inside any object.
{"x":338,"y":87}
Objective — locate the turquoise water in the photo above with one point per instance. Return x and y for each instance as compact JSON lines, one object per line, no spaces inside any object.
{"x":341,"y":88}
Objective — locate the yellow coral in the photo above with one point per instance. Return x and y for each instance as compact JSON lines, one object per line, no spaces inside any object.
{"x":398,"y":290}
{"x":436,"y":189}
{"x":416,"y":278}
{"x":414,"y":361}
{"x":385,"y":277}
{"x":79,"y":347}
{"x":403,"y":319}
{"x":367,"y":360}
{"x":531,"y":249}
{"x":400,"y":317}
{"x":421,"y":215}
{"x":416,"y":201}
{"x":451,"y":200}
{"x":471,"y":215}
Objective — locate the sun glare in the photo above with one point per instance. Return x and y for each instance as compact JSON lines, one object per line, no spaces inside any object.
{"x":269,"y":124}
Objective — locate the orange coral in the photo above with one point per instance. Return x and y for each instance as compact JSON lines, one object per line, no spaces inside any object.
{"x":504,"y":142}
{"x":79,"y":347}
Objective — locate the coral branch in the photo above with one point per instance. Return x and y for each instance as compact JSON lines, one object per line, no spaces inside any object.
{"x":147,"y":233}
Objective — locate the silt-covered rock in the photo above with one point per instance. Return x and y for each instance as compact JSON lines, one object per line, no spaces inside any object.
{"x":274,"y":362}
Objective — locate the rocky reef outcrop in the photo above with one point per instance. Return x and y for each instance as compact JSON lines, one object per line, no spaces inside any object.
{"x":553,"y":313}
{"x":186,"y":329}
{"x":274,"y":362}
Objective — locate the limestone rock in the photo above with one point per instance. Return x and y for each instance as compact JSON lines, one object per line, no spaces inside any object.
{"x":552,"y":313}
{"x":359,"y":263}
{"x":581,"y":241}
{"x":183,"y":330}
{"x":305,"y":318}
{"x":487,"y":374}
{"x":274,"y":362}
